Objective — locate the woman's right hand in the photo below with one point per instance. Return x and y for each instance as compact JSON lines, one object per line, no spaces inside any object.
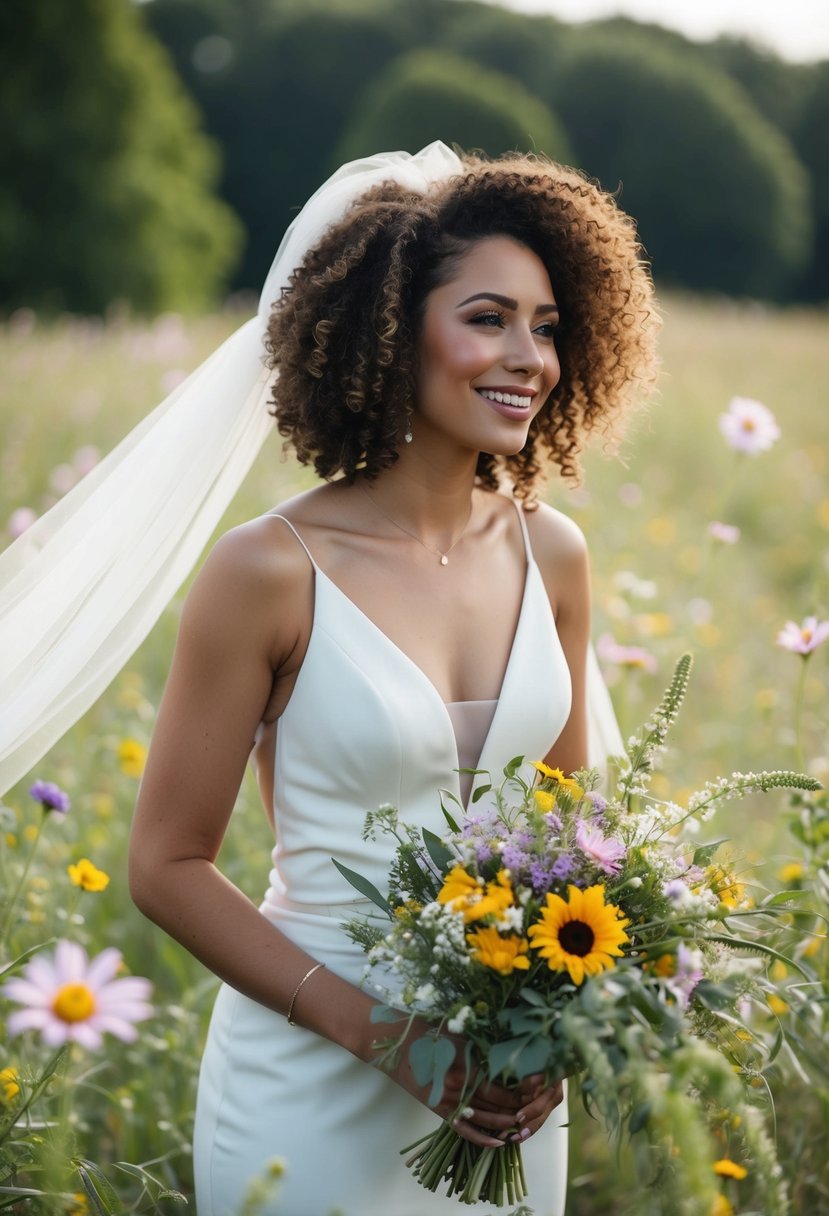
{"x":490,"y":1114}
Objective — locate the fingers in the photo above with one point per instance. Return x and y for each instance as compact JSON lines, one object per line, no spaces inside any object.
{"x":535,"y":1113}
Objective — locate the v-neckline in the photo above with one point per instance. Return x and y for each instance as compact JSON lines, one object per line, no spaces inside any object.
{"x":429,"y":684}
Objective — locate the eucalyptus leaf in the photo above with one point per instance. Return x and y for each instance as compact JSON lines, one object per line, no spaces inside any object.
{"x":430,"y":1059}
{"x":478,"y":793}
{"x":440,"y":855}
{"x":364,"y":887}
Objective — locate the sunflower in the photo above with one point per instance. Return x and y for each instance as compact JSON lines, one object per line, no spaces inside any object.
{"x":579,"y":934}
{"x":501,"y":954}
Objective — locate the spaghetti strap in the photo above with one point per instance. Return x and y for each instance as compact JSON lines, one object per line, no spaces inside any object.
{"x":276,"y":515}
{"x":528,"y":549}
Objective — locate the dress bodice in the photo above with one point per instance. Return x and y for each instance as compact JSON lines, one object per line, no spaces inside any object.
{"x":364,"y":726}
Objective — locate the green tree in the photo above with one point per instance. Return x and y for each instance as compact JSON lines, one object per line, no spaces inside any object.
{"x":276,"y":83}
{"x":106,"y":175}
{"x":809,"y":137}
{"x":430,"y":95}
{"x":524,"y":47}
{"x":721,"y":197}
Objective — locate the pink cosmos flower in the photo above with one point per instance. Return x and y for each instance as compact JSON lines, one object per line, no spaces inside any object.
{"x":803,"y":639}
{"x":608,"y":648}
{"x":69,"y":997}
{"x":749,"y":426}
{"x":606,"y":851}
{"x":727,"y":534}
{"x":19,"y":520}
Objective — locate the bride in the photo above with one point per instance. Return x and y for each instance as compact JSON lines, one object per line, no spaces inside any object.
{"x":437,"y":332}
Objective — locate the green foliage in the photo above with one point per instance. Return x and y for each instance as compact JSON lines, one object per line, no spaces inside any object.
{"x":721,"y":198}
{"x":278,"y":101}
{"x":525,"y":48}
{"x":108,"y":177}
{"x":809,"y":137}
{"x":432,"y":95}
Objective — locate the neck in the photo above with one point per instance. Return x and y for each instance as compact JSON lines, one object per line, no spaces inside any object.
{"x":433,"y":498}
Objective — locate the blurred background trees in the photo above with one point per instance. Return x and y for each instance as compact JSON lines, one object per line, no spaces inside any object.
{"x":156,"y":152}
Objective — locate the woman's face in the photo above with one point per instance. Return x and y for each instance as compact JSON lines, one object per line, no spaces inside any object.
{"x":487,"y":356}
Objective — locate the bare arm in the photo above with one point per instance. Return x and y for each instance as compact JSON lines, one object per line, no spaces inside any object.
{"x":562,"y":557}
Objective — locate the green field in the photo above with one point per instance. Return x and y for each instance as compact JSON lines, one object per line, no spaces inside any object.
{"x":660,"y":582}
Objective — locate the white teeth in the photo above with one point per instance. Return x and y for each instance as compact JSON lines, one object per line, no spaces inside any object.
{"x":506,"y":398}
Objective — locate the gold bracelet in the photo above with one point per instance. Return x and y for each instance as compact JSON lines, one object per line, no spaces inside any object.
{"x":305,"y":977}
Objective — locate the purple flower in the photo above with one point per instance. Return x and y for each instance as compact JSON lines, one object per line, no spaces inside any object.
{"x":541,"y":876}
{"x":610,"y":651}
{"x":726,"y":534}
{"x":554,"y":823}
{"x":599,"y":803}
{"x":483,"y":853}
{"x":562,"y":867}
{"x":514,"y":859}
{"x":606,"y":851}
{"x":50,"y":796}
{"x":689,"y":972}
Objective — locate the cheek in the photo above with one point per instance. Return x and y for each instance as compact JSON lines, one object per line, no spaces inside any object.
{"x":458,"y":355}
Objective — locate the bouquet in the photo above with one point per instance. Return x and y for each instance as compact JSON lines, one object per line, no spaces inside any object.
{"x":565,"y":932}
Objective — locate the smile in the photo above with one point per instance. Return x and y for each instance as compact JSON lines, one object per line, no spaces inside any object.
{"x":520,"y":402}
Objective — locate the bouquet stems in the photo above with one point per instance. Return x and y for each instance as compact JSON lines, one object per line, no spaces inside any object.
{"x":474,"y":1174}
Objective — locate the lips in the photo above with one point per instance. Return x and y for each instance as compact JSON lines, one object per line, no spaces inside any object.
{"x":509,"y":405}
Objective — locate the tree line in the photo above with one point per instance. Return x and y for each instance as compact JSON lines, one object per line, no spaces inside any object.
{"x":156,"y":153}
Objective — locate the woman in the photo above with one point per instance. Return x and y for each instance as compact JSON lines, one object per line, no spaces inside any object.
{"x":400,"y":621}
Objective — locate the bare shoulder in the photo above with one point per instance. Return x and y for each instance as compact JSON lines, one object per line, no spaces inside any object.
{"x":556,"y":540}
{"x":256,"y":584}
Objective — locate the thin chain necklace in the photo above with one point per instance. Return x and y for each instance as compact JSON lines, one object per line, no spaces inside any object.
{"x":444,"y":556}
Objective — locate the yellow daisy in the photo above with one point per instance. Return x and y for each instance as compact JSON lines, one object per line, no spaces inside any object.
{"x":726,"y":1168}
{"x":88,"y":876}
{"x":132,"y":756}
{"x":501,"y":954}
{"x":9,"y":1089}
{"x":554,"y":774}
{"x":465,"y":894}
{"x":579,"y":934}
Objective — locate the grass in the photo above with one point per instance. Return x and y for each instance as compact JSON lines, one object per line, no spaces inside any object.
{"x":660,"y":583}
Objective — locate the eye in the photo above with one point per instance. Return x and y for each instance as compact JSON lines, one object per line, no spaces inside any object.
{"x":491,"y":317}
{"x":549,"y":329}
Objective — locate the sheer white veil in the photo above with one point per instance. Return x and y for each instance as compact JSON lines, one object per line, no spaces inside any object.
{"x":84,"y":585}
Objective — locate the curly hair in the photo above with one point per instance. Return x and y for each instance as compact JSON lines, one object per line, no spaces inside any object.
{"x":344,"y":335}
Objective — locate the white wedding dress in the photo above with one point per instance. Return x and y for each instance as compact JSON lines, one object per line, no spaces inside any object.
{"x":363,"y":726}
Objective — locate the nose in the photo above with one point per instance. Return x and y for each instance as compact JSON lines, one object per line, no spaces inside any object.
{"x":524,"y":354}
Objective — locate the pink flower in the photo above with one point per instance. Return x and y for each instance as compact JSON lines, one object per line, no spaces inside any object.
{"x":748,"y":426}
{"x":803,"y":639}
{"x":604,"y":850}
{"x":727,"y":534}
{"x":608,"y":648}
{"x":71,"y":998}
{"x":20,"y":520}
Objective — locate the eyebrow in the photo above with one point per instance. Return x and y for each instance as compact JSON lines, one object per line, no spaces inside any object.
{"x":507,"y":302}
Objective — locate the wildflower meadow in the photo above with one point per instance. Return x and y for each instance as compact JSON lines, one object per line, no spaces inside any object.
{"x":709,"y":534}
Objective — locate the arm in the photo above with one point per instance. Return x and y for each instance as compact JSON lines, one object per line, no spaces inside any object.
{"x":561,"y":553}
{"x":243,"y":626}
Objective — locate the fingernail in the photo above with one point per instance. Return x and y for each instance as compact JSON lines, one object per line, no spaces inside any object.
{"x":520,"y":1117}
{"x":524,"y":1134}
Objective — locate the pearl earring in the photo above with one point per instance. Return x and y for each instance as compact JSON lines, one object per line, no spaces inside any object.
{"x":408,"y":436}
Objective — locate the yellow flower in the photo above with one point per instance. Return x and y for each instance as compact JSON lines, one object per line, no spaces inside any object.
{"x":88,"y":876}
{"x":78,"y":1206}
{"x":132,"y":756}
{"x":30,"y":832}
{"x":465,"y":894}
{"x":722,"y":882}
{"x":579,"y":934}
{"x":9,"y":1088}
{"x":722,"y":1207}
{"x":777,"y":1004}
{"x":544,"y":800}
{"x":726,"y":1168}
{"x":501,"y":954}
{"x":792,"y":872}
{"x":572,"y":788}
{"x":664,"y":966}
{"x":812,"y":947}
{"x":11,"y":840}
{"x":778,"y":970}
{"x":408,"y":909}
{"x":554,"y":774}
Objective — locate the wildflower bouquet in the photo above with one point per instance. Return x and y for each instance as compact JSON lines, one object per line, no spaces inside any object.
{"x":563,"y":932}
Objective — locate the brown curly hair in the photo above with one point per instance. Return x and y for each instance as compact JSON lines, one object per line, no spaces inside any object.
{"x":344,"y":334}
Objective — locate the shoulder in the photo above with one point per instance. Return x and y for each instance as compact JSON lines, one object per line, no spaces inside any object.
{"x":256,"y":584}
{"x":555,"y":538}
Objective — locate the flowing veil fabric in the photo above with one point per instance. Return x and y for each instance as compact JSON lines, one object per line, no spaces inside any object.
{"x":81,"y":588}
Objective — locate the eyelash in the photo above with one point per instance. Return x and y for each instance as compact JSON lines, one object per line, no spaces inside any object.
{"x":551,"y":326}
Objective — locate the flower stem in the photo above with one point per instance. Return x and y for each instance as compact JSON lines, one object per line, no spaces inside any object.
{"x":798,"y":712}
{"x":7,"y":920}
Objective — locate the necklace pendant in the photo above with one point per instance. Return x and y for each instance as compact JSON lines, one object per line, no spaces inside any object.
{"x":444,"y":560}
